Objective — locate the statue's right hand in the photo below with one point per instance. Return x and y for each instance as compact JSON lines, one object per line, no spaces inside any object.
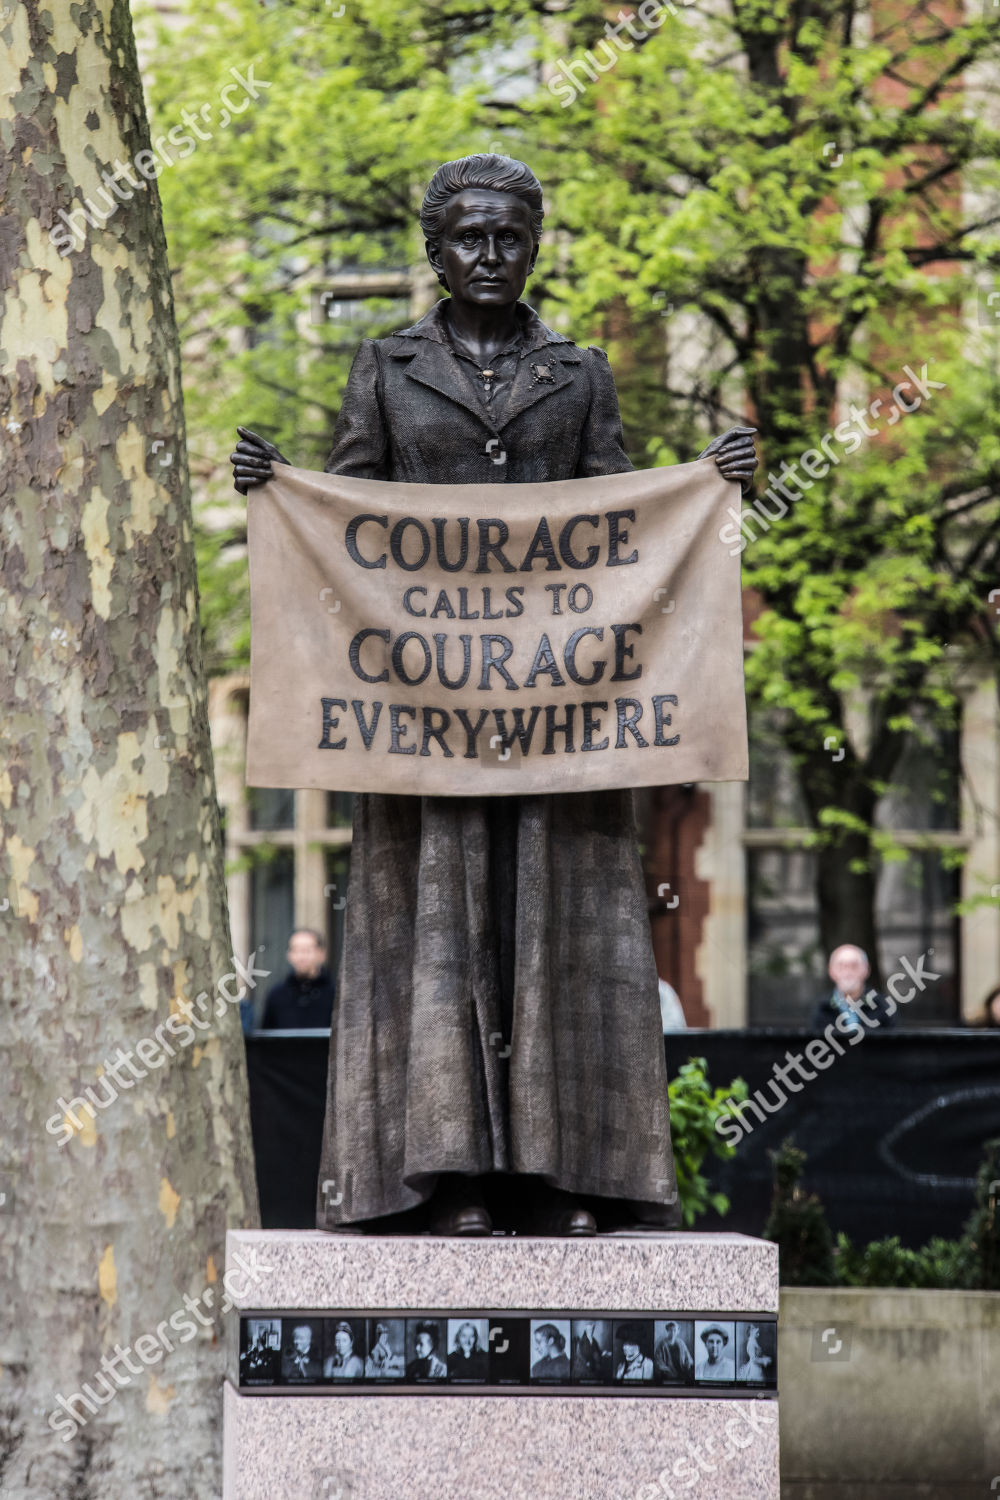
{"x":252,"y":462}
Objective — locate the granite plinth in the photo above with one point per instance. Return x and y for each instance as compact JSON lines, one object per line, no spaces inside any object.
{"x":701,"y":1272}
{"x":498,"y":1448}
{"x":532,"y":1445}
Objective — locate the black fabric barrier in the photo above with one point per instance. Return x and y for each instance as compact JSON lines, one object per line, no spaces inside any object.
{"x":287,"y":1076}
{"x":894,"y":1129}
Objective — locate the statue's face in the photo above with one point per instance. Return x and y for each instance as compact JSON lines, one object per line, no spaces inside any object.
{"x":486,"y":250}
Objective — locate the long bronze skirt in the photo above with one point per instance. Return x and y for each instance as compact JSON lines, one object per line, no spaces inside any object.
{"x":497,"y":1006}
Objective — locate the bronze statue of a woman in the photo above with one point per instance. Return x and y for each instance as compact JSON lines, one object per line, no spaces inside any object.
{"x":497,"y":1020}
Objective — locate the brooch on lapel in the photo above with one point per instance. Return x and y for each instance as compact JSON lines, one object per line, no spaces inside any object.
{"x":542,"y":375}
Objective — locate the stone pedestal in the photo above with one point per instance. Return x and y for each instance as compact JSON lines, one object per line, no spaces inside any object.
{"x":314,"y":1413}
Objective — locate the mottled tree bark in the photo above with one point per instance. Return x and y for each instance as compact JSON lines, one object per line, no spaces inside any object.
{"x":112,"y":899}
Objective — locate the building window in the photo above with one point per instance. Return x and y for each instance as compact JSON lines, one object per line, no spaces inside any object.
{"x":287,"y":852}
{"x":915,"y":895}
{"x":272,"y":903}
{"x":270,"y":809}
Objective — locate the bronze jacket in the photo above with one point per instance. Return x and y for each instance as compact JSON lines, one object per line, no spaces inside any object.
{"x":559,"y":420}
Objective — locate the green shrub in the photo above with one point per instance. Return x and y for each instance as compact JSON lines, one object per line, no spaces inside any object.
{"x":946,"y":1264}
{"x":694,"y":1110}
{"x":808,"y":1256}
{"x":797,"y":1224}
{"x":982,"y":1231}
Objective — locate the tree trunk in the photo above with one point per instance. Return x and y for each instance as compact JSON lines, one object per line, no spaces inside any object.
{"x":846,"y":867}
{"x":112,"y":897}
{"x":847,"y":899}
{"x":782,"y":398}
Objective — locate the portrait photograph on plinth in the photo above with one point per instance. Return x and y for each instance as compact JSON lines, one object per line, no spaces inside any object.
{"x":633,"y":1355}
{"x":345,"y":1349}
{"x":550,"y":1342}
{"x":756,"y":1353}
{"x":592,"y":1351}
{"x":260,"y":1351}
{"x":673,"y":1352}
{"x":302,"y":1357}
{"x":426,"y":1348}
{"x":715,"y":1352}
{"x":386,"y":1358}
{"x":468,"y":1350}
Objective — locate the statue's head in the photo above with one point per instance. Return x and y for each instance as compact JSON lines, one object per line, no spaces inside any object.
{"x":482,"y":221}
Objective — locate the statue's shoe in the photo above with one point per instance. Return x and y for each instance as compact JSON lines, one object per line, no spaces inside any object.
{"x":576,"y":1221}
{"x":561,"y":1215}
{"x":457,"y":1208}
{"x":467,"y":1220}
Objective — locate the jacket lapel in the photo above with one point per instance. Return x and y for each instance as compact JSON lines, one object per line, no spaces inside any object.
{"x":540,"y":372}
{"x":434,"y":366}
{"x":541,"y":369}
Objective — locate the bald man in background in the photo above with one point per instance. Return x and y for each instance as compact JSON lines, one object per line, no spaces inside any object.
{"x":852,"y":996}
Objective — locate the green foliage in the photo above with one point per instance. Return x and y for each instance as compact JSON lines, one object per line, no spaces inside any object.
{"x":809,"y":1258}
{"x":255,"y":857}
{"x":694,"y":1110}
{"x":758,"y":207}
{"x":798,"y":1224}
{"x":939,"y":1263}
{"x":787,"y":183}
{"x":318,"y":178}
{"x":982,"y":1232}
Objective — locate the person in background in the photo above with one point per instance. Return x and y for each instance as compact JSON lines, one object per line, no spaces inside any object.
{"x":989,"y":1020}
{"x":864,"y":1006}
{"x":246,"y":1016}
{"x":305,"y":998}
{"x":671,"y":1010}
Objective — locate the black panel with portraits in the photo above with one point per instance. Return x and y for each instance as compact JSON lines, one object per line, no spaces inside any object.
{"x":644,"y":1354}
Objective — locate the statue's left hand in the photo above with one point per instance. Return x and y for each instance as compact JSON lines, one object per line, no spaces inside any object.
{"x":735,"y":455}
